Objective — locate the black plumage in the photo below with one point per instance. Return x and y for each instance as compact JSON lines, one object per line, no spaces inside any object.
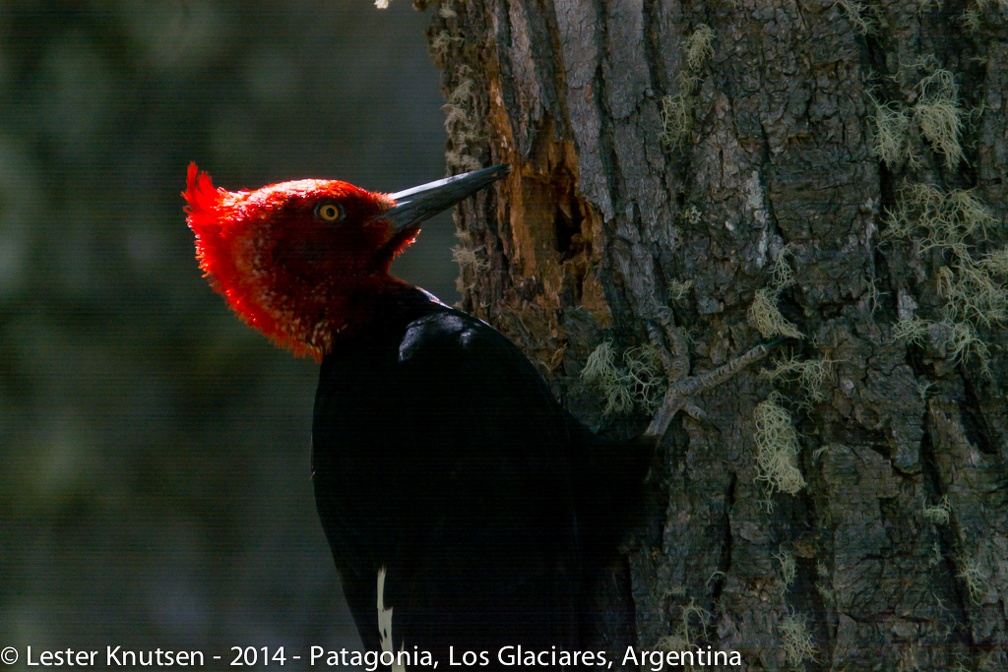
{"x":440,"y":454}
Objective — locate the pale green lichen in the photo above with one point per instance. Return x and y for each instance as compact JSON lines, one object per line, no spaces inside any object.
{"x":685,"y":636}
{"x":676,"y":118}
{"x":692,"y":215}
{"x":951,"y":224}
{"x":811,"y":375}
{"x":788,"y":567}
{"x":940,"y":513}
{"x":635,"y":382}
{"x":855,"y":13}
{"x":910,"y":330}
{"x":892,"y":139}
{"x":796,"y":640}
{"x":972,"y":574}
{"x":679,"y":289}
{"x":777,"y":448}
{"x":939,"y":115}
{"x":677,"y":108}
{"x":822,"y":586}
{"x":699,"y":47}
{"x":935,"y":112}
{"x":766,"y":317}
{"x":973,"y":16}
{"x":763,"y":313}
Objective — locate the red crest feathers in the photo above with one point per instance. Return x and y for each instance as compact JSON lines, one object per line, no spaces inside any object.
{"x":210,"y":213}
{"x":202,"y":199}
{"x":205,"y":219}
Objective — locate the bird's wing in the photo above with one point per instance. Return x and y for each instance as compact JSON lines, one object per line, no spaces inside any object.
{"x":447,"y":460}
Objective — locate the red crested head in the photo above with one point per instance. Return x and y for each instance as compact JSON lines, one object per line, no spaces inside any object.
{"x":297,"y":260}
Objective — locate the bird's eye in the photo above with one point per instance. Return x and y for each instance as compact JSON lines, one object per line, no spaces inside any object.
{"x":328,"y":211}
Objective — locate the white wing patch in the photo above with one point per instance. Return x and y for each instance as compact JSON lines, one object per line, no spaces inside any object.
{"x":385,"y":624}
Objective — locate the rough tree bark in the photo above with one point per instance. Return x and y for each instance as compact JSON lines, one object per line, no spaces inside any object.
{"x":829,"y":172}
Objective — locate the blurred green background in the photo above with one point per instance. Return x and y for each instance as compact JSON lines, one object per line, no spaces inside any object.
{"x":154,"y":476}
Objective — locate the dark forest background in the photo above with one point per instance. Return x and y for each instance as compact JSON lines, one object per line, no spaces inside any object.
{"x":154,"y":482}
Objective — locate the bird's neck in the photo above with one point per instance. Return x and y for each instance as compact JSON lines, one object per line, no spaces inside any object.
{"x":381,"y":303}
{"x":316,"y":323}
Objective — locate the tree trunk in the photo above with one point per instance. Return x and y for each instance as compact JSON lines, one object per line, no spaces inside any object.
{"x":831,"y":173}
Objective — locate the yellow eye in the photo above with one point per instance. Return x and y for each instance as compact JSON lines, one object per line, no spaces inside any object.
{"x":329,"y":211}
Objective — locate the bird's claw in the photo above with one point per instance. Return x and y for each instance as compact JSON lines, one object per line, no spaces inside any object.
{"x":683,"y":388}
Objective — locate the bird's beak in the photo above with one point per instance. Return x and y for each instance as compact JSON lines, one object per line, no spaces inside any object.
{"x":419,"y":203}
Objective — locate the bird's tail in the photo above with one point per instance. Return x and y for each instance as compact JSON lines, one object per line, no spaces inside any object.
{"x":613,"y":496}
{"x":611,"y":491}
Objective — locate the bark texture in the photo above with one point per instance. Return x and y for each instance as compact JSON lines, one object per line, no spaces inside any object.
{"x":832,"y":172}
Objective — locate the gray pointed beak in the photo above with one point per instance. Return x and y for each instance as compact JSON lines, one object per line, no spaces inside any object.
{"x":419,"y":203}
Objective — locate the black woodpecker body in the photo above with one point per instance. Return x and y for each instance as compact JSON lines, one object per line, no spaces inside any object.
{"x":439,"y":454}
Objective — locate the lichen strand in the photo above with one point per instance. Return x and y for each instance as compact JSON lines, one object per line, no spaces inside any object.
{"x":932,"y":116}
{"x":796,"y":640}
{"x":763,"y":313}
{"x":632,"y":382}
{"x":777,"y":449}
{"x":939,"y":116}
{"x":971,"y":278}
{"x":677,"y":109}
{"x":811,"y":376}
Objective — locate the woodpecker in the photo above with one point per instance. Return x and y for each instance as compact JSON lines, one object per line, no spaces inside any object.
{"x":440,"y":458}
